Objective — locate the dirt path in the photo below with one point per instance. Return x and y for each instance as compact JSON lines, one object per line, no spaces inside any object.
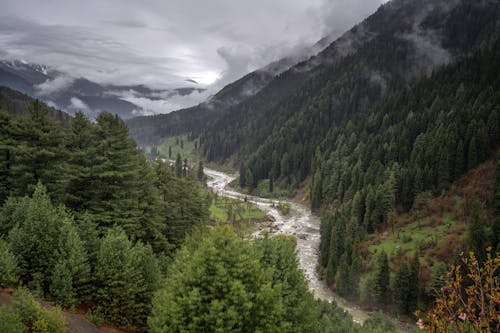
{"x":76,"y":323}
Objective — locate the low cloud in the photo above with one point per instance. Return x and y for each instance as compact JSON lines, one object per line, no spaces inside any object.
{"x":51,"y":86}
{"x":77,"y":105}
{"x":168,"y":43}
{"x":151,"y":106}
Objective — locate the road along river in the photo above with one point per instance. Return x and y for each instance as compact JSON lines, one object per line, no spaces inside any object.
{"x":302,"y":223}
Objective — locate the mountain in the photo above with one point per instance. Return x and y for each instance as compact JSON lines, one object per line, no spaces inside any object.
{"x":403,"y":41}
{"x":63,"y":91}
{"x":17,"y":103}
{"x":149,"y":129}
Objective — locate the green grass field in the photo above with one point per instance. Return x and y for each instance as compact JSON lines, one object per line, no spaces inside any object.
{"x":188,"y":149}
{"x":225,"y":210}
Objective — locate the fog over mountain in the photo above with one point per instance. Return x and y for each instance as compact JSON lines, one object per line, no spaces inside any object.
{"x":165,"y":45}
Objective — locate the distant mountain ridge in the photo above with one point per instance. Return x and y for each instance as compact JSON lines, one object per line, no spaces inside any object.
{"x":72,"y":94}
{"x":16,"y":104}
{"x":148,"y":129}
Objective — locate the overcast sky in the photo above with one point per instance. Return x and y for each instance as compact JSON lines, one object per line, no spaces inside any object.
{"x":164,"y":43}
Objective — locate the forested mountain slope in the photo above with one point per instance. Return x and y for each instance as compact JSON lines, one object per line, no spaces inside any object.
{"x":402,"y":41}
{"x":18,"y":104}
{"x":150,"y":129}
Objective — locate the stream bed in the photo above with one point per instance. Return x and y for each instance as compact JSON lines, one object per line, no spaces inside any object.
{"x":302,"y":223}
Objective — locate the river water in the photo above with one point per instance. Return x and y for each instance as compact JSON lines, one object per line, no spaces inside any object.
{"x":302,"y":223}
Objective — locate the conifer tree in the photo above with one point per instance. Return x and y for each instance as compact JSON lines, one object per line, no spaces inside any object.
{"x":6,"y":147}
{"x":39,"y":154}
{"x":382,"y":279}
{"x":178,"y":166}
{"x":401,"y":289}
{"x":8,"y":265}
{"x":243,"y":179}
{"x":117,"y":279}
{"x":201,"y":174}
{"x":478,"y":235}
{"x":82,"y":148}
{"x":414,"y":282}
{"x":218,"y":284}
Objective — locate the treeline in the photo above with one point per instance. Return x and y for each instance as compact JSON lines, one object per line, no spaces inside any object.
{"x":221,"y":282}
{"x":147,"y":130}
{"x":87,"y":221}
{"x":85,"y":218}
{"x":423,"y":138}
{"x":277,"y":132}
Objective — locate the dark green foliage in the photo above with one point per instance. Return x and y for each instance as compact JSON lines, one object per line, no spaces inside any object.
{"x":496,"y":208}
{"x":8,"y":265}
{"x":5,"y":154}
{"x":38,"y":154}
{"x":278,"y":254}
{"x":200,"y":174}
{"x":10,"y":321}
{"x":401,"y":289}
{"x":182,"y":205}
{"x":178,"y":166}
{"x":379,"y":323}
{"x":118,"y":192}
{"x":405,"y":287}
{"x":218,"y":284}
{"x":50,"y":253}
{"x":478,"y":233}
{"x":82,"y":148}
{"x":34,"y":317}
{"x":126,"y":277}
{"x":414,"y":283}
{"x":381,"y":289}
{"x":438,"y":276}
{"x":331,"y":104}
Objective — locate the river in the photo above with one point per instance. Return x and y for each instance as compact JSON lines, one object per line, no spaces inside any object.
{"x":302,"y":223}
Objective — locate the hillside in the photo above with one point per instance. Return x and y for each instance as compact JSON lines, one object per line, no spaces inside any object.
{"x":438,"y":227}
{"x":18,"y":103}
{"x":403,"y":104}
{"x":73,"y":94}
{"x":401,"y":42}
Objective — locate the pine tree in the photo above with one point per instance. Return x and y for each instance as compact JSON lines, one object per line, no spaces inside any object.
{"x":117,"y":279}
{"x":6,"y":147}
{"x":218,"y":284}
{"x":147,"y":283}
{"x":61,"y":285}
{"x":8,"y":265}
{"x":413,"y":282}
{"x":478,"y":237}
{"x":82,"y":148}
{"x":117,"y":192}
{"x":178,"y":166}
{"x":401,"y":289}
{"x":496,"y":208}
{"x":39,"y":154}
{"x":316,"y":190}
{"x":472,"y":154}
{"x":382,"y":279}
{"x":201,"y":173}
{"x":36,"y":238}
{"x":243,"y":179}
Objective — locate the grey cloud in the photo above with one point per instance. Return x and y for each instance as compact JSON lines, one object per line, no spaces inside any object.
{"x":429,"y":50}
{"x":50,"y":86}
{"x":127,"y":23}
{"x":165,"y":44}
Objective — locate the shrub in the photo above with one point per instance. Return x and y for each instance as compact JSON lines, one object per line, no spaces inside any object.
{"x":8,"y":265}
{"x":34,"y":317}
